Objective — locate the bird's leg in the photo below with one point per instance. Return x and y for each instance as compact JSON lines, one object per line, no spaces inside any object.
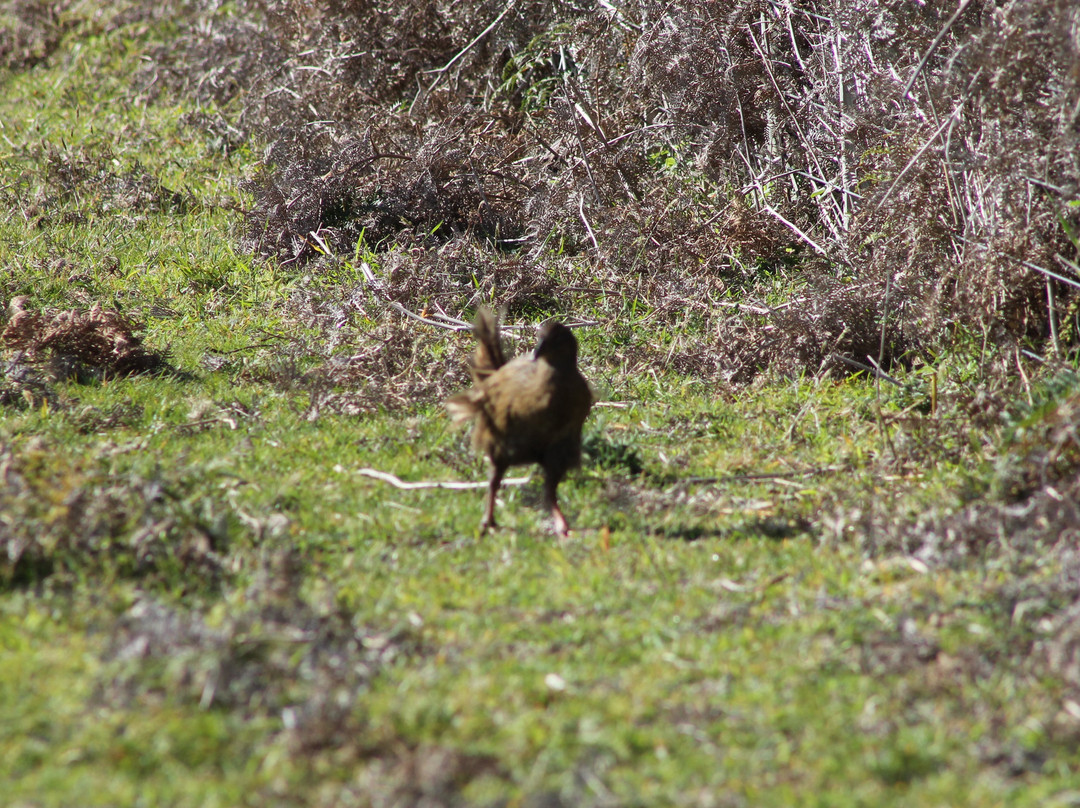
{"x":497,"y":472}
{"x":551,"y":485}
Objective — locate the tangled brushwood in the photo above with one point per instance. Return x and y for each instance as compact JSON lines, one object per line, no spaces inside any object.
{"x":908,"y":168}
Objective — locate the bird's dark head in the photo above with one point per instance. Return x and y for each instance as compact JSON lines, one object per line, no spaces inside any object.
{"x":557,"y":345}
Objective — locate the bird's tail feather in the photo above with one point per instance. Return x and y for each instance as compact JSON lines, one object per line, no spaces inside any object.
{"x":489,"y":355}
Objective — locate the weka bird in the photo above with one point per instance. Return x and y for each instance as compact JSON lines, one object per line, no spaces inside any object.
{"x":528,"y":410}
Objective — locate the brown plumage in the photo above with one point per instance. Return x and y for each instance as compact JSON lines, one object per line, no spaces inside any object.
{"x":528,"y":410}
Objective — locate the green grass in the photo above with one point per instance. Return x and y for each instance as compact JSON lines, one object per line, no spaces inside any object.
{"x":709,"y":635}
{"x":653,"y":666}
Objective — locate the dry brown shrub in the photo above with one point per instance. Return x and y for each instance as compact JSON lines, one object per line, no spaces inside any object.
{"x":76,"y":343}
{"x":936,"y":196}
{"x":365,"y":358}
{"x":389,"y":368}
{"x":992,"y":188}
{"x":398,"y":182}
{"x":250,"y":662}
{"x":680,"y":153}
{"x":30,"y":30}
{"x":276,"y":655}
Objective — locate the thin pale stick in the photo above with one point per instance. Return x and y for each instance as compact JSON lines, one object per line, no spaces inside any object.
{"x":450,"y":485}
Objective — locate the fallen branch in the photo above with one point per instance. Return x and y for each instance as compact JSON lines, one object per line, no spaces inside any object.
{"x":452,"y":326}
{"x":397,"y":482}
{"x":777,"y":215}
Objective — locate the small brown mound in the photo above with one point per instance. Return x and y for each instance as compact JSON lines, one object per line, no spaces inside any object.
{"x":103,"y":343}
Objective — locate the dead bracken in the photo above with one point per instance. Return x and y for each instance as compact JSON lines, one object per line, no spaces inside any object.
{"x":80,"y":344}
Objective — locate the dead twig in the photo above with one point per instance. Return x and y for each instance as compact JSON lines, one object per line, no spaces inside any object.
{"x":428,"y":321}
{"x":933,"y":46}
{"x":450,"y":485}
{"x":930,"y":141}
{"x":563,"y":62}
{"x":441,"y":72}
{"x":779,"y":217}
{"x":855,"y":363}
{"x":585,"y":221}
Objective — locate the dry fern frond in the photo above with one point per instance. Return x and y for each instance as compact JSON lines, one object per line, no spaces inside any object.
{"x":101,"y":340}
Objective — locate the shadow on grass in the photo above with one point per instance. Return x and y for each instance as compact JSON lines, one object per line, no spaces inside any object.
{"x":776,"y":528}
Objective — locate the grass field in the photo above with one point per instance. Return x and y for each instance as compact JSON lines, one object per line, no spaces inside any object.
{"x":805,"y":589}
